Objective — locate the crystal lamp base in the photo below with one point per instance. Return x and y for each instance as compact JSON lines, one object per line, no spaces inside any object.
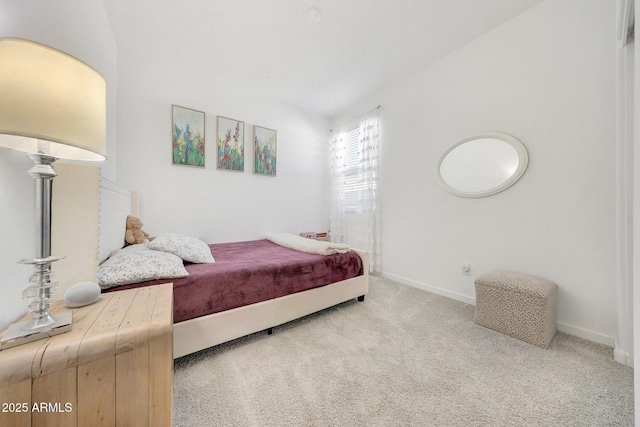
{"x":19,"y":333}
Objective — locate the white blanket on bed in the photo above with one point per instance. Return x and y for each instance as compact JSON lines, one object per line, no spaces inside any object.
{"x":303,"y":244}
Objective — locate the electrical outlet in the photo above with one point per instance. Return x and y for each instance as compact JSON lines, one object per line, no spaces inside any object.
{"x":465,"y":268}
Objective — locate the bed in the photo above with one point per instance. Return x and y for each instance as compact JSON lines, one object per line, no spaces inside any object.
{"x":282,"y":299}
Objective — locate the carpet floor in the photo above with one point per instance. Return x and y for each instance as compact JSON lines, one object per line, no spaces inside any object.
{"x":403,"y":357}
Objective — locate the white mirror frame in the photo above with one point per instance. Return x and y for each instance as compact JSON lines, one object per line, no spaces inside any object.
{"x":523,"y":161}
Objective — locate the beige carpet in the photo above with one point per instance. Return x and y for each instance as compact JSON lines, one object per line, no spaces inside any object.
{"x":404,"y":357}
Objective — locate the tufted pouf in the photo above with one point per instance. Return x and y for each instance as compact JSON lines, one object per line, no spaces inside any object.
{"x":520,"y":305}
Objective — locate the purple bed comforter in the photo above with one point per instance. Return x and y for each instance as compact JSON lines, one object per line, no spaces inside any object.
{"x":249,"y":272}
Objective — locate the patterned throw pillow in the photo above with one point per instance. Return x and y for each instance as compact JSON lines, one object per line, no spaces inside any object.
{"x":137,"y":263}
{"x":188,"y":248}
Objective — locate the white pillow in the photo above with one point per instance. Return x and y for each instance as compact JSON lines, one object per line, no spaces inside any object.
{"x":188,"y":248}
{"x":137,"y":263}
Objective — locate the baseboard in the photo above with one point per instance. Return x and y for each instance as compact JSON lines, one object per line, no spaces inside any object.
{"x":587,"y":334}
{"x":429,"y":288}
{"x":562,"y":327}
{"x":621,"y":356}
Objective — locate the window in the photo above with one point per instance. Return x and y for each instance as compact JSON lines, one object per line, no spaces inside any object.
{"x":354,"y":177}
{"x":353,"y":180}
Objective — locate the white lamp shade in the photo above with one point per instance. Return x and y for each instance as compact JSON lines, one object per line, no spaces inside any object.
{"x":50,"y":102}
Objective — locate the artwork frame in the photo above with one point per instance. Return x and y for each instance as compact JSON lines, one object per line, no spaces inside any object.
{"x":265,"y":151}
{"x":188,"y":141}
{"x":230,"y":144}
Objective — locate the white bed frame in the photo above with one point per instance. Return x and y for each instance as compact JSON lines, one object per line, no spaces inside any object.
{"x":203,"y":332}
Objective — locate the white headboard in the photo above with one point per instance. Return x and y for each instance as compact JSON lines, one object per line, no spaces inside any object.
{"x":116,"y":203}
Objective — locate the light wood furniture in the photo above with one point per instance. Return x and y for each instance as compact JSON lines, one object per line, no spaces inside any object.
{"x":114,"y":368}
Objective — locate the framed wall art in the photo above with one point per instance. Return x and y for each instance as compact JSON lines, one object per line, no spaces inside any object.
{"x":187,"y":140}
{"x":230,"y":144}
{"x":264,"y":150}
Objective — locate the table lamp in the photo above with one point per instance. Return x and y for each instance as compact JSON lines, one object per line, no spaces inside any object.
{"x":52,"y":106}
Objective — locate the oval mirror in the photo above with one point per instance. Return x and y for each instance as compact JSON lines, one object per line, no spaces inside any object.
{"x":482,"y":165}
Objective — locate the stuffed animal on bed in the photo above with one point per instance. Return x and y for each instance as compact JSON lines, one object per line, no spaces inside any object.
{"x":134,"y":234}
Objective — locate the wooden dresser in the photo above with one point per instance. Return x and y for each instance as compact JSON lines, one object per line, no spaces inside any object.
{"x":114,"y":368}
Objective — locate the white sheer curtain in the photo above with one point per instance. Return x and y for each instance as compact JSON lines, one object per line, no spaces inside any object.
{"x":354,"y":186}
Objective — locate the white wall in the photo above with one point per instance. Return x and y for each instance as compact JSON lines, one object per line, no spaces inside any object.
{"x":636,"y":218}
{"x":546,"y":77}
{"x":82,"y":30}
{"x":624,"y":186}
{"x":207,"y":203}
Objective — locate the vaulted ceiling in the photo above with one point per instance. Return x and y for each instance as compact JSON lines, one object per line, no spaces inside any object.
{"x":272,"y":46}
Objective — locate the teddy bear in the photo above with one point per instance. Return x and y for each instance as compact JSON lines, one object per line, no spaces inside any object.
{"x":134,"y":233}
